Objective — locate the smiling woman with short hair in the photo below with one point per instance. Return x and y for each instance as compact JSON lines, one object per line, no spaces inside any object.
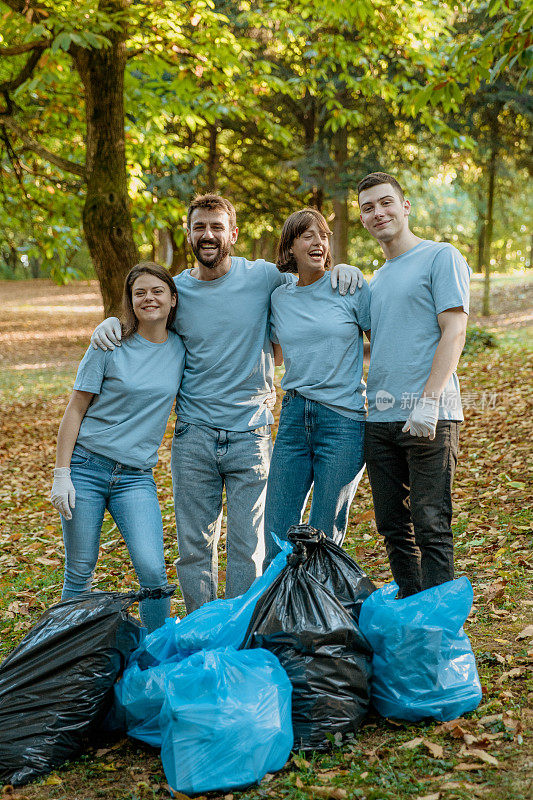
{"x":321,"y":429}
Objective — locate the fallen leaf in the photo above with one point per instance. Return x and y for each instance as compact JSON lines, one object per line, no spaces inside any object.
{"x":299,"y":782}
{"x":412,"y":743}
{"x":512,"y":673}
{"x":465,"y":767}
{"x":526,"y":633}
{"x":332,"y":773}
{"x":484,"y":756}
{"x":434,"y":796}
{"x":334,"y":792}
{"x":490,"y":719}
{"x":435,"y":749}
{"x":53,"y":780}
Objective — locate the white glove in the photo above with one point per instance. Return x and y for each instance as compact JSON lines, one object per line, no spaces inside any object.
{"x":270,"y":400}
{"x":63,"y":494}
{"x":107,"y":334}
{"x":348,"y":277}
{"x":422,"y":420}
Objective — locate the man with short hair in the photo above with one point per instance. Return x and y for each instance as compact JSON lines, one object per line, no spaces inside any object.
{"x":418,"y":311}
{"x":222,"y":436}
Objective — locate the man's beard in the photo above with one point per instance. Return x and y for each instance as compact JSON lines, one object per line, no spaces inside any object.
{"x":224,"y":249}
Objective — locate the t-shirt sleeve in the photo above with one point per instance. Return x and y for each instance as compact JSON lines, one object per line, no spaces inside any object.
{"x":361,"y":306}
{"x":450,"y":279}
{"x":273,"y":336}
{"x":276,"y":278}
{"x":91,"y":371}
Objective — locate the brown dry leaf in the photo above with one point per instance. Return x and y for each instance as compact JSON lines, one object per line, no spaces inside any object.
{"x":512,"y":673}
{"x":469,"y":787}
{"x":465,"y":767}
{"x":495,"y":590}
{"x":434,"y":796}
{"x":435,"y":749}
{"x":299,"y":782}
{"x":484,"y":756}
{"x":332,"y":773}
{"x":301,"y":762}
{"x":526,"y":633}
{"x":412,"y":743}
{"x":455,"y":727}
{"x":334,"y":792}
{"x":490,"y":719}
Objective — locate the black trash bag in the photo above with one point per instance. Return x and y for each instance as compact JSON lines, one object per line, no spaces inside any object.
{"x":57,"y":685}
{"x":333,"y":568}
{"x":327,"y":659}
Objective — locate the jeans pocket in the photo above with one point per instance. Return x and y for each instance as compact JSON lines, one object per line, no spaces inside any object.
{"x":79,"y":458}
{"x":181,"y":427}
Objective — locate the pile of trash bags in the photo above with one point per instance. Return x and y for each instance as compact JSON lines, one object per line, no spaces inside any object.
{"x":228,"y":692}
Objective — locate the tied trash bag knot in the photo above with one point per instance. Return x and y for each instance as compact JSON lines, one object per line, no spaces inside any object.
{"x":304,"y":538}
{"x":158,"y":593}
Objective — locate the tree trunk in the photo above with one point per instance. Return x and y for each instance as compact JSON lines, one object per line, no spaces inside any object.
{"x":212,"y":161}
{"x":339,"y":242}
{"x":163,"y":247}
{"x":35,"y":267}
{"x":106,"y":213}
{"x":481,"y":223}
{"x":488,"y":231}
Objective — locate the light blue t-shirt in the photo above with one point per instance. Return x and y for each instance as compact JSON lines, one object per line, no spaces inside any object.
{"x":407,"y":294}
{"x":135,"y":386}
{"x":229,"y":366}
{"x":321,"y":335}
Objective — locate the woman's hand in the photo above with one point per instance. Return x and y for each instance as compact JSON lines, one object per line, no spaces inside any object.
{"x":63,"y":494}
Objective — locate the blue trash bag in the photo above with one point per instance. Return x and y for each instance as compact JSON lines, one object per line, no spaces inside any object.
{"x":226,"y":720}
{"x":139,"y":697}
{"x":221,"y":623}
{"x":423,"y":664}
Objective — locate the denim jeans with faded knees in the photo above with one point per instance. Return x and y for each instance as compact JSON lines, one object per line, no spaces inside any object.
{"x":130,"y":495}
{"x":411,"y":480}
{"x":204,"y":461}
{"x":317,"y":447}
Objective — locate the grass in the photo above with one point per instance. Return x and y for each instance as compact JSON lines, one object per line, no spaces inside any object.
{"x":492,"y":525}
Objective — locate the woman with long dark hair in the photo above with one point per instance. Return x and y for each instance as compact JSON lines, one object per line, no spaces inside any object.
{"x":321,"y":429}
{"x":109,"y":437}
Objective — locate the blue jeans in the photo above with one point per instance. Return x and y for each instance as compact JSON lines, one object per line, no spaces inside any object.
{"x":204,"y":461}
{"x":130,"y":495}
{"x":314,"y":445}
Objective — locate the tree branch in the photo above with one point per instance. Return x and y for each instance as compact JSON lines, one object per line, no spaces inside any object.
{"x":58,"y":161}
{"x":25,"y":72}
{"x":17,"y":49}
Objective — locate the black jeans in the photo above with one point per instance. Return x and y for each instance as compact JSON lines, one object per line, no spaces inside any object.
{"x":411,"y":479}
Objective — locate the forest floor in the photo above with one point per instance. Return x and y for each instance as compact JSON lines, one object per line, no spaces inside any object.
{"x":44,"y":330}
